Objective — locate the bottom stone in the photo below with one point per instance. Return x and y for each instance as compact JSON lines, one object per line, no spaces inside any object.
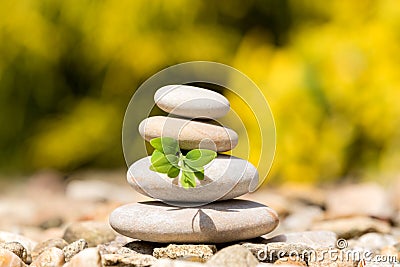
{"x":218,"y":222}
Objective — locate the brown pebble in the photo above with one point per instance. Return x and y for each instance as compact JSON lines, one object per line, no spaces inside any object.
{"x":142,"y":247}
{"x":54,"y":242}
{"x":130,"y":259}
{"x":74,"y":248}
{"x":9,"y":259}
{"x":95,"y":233}
{"x":172,"y":251}
{"x":51,"y":223}
{"x":53,"y":257}
{"x":16,"y":248}
{"x":89,"y":257}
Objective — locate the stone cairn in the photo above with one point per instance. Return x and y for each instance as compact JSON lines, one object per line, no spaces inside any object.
{"x":207,"y":213}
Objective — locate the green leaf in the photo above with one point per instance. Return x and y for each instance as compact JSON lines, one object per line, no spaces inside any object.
{"x":152,"y":168}
{"x":198,"y":171}
{"x":200,"y":174}
{"x":159,"y":159}
{"x":173,"y":172}
{"x":174,"y":160}
{"x":160,"y":163}
{"x":161,"y":169}
{"x":188,"y":179}
{"x":166,"y":145}
{"x":170,"y":164}
{"x":199,"y":157}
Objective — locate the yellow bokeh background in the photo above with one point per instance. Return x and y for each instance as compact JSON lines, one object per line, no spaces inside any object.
{"x":329,"y":69}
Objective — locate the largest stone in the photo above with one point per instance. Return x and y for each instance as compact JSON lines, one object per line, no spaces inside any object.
{"x":219,"y":222}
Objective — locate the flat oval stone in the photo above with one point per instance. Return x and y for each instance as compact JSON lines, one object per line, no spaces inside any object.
{"x":190,"y":134}
{"x":191,"y":102}
{"x":226,"y":177}
{"x":218,"y":222}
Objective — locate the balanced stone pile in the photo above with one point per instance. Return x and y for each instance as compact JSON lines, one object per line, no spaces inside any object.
{"x":207,"y":213}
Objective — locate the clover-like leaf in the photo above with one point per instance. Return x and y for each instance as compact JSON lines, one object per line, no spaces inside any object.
{"x":161,"y":169}
{"x":199,"y":174}
{"x":166,"y":145}
{"x":199,"y":157}
{"x":161,"y":163}
{"x":188,"y":179}
{"x":167,"y":159}
{"x":173,"y":172}
{"x":174,"y":160}
{"x":198,"y":171}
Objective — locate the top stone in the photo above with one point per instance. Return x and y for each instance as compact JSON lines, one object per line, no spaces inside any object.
{"x":191,"y":102}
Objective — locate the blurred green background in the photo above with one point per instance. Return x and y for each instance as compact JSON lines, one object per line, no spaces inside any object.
{"x":330,"y":70}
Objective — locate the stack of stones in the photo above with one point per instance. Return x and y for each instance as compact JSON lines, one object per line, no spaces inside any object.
{"x":207,"y":213}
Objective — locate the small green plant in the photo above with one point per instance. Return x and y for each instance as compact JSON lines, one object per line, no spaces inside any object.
{"x":167,"y":158}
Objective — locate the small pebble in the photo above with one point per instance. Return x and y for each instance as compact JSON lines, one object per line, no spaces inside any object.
{"x":17,"y":249}
{"x":302,"y":218}
{"x":97,"y":190}
{"x":74,"y":248}
{"x":11,"y":237}
{"x":52,"y":223}
{"x":9,"y":259}
{"x":201,"y":252}
{"x":368,"y":199}
{"x":50,"y":243}
{"x":233,"y":256}
{"x":375,"y":241}
{"x":353,"y":226}
{"x":117,"y":246}
{"x":89,"y":257}
{"x":142,"y":247}
{"x":130,"y":259}
{"x":93,"y":232}
{"x":113,"y":248}
{"x":51,"y":257}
